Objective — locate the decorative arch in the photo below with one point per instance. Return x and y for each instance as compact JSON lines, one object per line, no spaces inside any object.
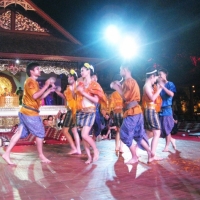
{"x":23,"y":3}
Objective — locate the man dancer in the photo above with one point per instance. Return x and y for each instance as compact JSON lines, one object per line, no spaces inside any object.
{"x":166,"y":114}
{"x":70,"y":117}
{"x":116,"y":105}
{"x":30,"y":121}
{"x":89,"y":94}
{"x":151,"y":118}
{"x":133,"y":123}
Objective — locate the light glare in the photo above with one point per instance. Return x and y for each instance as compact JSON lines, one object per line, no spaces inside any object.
{"x":128,"y":47}
{"x":112,"y":34}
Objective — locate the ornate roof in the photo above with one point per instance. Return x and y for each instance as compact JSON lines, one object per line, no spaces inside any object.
{"x":26,"y":32}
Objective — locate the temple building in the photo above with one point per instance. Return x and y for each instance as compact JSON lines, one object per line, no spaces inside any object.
{"x":28,"y":34}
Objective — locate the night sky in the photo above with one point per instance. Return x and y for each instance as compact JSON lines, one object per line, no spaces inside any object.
{"x":160,"y":23}
{"x":169,"y":30}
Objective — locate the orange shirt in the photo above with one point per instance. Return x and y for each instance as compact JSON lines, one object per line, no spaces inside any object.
{"x":31,"y":86}
{"x":116,"y":102}
{"x":93,"y":89}
{"x":157,"y":102}
{"x":71,"y":101}
{"x":131,"y":92}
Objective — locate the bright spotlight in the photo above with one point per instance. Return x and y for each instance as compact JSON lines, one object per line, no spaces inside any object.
{"x":17,"y":61}
{"x":112,"y":34}
{"x":128,"y":47}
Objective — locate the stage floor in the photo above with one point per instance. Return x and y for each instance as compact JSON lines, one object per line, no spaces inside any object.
{"x":69,"y":178}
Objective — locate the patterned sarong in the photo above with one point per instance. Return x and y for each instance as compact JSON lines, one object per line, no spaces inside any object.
{"x":118,"y":119}
{"x":85,"y":119}
{"x":31,"y":124}
{"x":68,"y":120}
{"x":151,"y":120}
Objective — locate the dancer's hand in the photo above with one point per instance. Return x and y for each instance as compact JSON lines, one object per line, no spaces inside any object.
{"x":80,"y":88}
{"x":115,"y":85}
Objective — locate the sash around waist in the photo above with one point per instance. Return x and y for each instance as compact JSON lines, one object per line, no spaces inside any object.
{"x":130,"y":105}
{"x":88,"y":110}
{"x":165,"y":107}
{"x":150,"y":106}
{"x":118,"y":110}
{"x":29,"y":108}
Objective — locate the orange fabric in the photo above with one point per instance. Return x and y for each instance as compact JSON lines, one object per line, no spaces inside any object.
{"x":93,"y":89}
{"x":157,"y":102}
{"x":31,"y":86}
{"x":71,"y":101}
{"x":105,"y":107}
{"x":131,"y":92}
{"x":116,"y":101}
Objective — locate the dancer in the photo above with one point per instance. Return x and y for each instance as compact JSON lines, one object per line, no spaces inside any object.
{"x":151,"y":118}
{"x":133,"y":123}
{"x":30,"y":121}
{"x":96,"y":128}
{"x":89,"y":94}
{"x":166,"y":114}
{"x":70,"y":117}
{"x":116,"y":105}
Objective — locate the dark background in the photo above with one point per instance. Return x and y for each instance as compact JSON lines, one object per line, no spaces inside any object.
{"x":169,"y":32}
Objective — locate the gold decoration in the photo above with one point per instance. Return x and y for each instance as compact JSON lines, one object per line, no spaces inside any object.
{"x":5,"y":83}
{"x":24,"y":24}
{"x":9,"y":101}
{"x":88,"y":66}
{"x":5,"y":20}
{"x":23,"y":3}
{"x":72,"y":72}
{"x":14,"y":69}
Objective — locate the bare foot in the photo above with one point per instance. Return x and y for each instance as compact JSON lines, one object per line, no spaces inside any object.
{"x":79,"y":152}
{"x":88,"y":161}
{"x":44,"y":159}
{"x":151,"y":155}
{"x":173,"y":141}
{"x":73,"y":151}
{"x":132,"y":161}
{"x":121,"y":151}
{"x":7,"y":159}
{"x":165,"y":149}
{"x":155,"y":158}
{"x":96,"y":155}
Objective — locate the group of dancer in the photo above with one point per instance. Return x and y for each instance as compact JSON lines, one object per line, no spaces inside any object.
{"x":154,"y":119}
{"x":83,"y":96}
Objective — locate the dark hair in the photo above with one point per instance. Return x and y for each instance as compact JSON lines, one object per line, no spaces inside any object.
{"x":91,"y":71}
{"x":149,"y":72}
{"x":30,"y":67}
{"x":49,"y":116}
{"x":163,"y":70}
{"x":45,"y":120}
{"x":74,"y":75}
